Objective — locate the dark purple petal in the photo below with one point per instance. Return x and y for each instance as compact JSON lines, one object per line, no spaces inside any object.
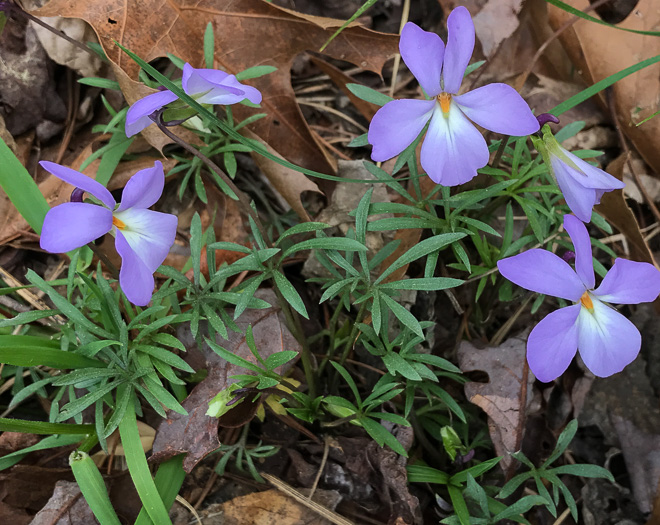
{"x":607,"y":341}
{"x":144,"y":188}
{"x":80,"y":180}
{"x":137,"y":117}
{"x":630,"y":282}
{"x":72,"y":225}
{"x":545,"y":118}
{"x":543,"y":272}
{"x":396,"y":125}
{"x":580,"y":200}
{"x":460,"y":44}
{"x":499,"y":108}
{"x":423,"y":52}
{"x":150,"y":234}
{"x":135,"y":279}
{"x":553,"y":342}
{"x":584,"y":265}
{"x":216,"y":87}
{"x":453,"y":148}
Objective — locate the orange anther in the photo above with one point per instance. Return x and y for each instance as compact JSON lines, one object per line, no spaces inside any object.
{"x":119,"y":224}
{"x":445,"y":102}
{"x":586,"y":301}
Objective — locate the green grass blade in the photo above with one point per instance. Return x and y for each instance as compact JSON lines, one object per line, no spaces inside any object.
{"x":93,"y":488}
{"x":600,"y":85}
{"x":355,"y":16}
{"x":21,"y":189}
{"x":139,"y":469}
{"x":41,"y":427}
{"x":569,"y":9}
{"x":13,"y":351}
{"x":168,"y":480}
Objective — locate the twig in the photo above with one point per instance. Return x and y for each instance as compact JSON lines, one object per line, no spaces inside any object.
{"x":405,"y":13}
{"x":300,"y":498}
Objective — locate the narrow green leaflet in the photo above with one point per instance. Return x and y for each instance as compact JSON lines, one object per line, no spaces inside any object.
{"x":21,"y":189}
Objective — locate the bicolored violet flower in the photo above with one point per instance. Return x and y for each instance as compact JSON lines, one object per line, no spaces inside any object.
{"x":143,"y":237}
{"x":207,"y":86}
{"x":453,"y":148}
{"x":581,"y":183}
{"x":607,"y":341}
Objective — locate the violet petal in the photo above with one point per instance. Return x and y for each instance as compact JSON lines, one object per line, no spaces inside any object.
{"x":553,"y":342}
{"x":396,"y":125}
{"x":630,"y":282}
{"x":423,"y":52}
{"x":543,"y":272}
{"x":72,"y":225}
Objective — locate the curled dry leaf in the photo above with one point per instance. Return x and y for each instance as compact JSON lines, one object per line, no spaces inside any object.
{"x":196,"y":434}
{"x":599,"y":51}
{"x":614,"y":208}
{"x":247,"y":33}
{"x":507,"y":395}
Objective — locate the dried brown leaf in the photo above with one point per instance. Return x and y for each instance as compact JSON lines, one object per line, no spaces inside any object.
{"x":507,"y":395}
{"x":247,"y":33}
{"x":196,"y":434}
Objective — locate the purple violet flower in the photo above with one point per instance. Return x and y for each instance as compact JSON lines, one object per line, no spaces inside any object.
{"x":607,"y":341}
{"x":207,"y":86}
{"x":453,"y":148}
{"x":581,"y":183}
{"x":142,"y":237}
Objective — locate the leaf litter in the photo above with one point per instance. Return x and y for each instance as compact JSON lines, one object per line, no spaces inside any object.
{"x":594,"y":50}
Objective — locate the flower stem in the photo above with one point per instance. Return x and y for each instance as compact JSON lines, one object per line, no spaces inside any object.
{"x":157,"y":117}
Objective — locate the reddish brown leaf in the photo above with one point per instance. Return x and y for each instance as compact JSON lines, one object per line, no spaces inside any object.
{"x":506,"y":396}
{"x":196,"y":434}
{"x":247,"y":33}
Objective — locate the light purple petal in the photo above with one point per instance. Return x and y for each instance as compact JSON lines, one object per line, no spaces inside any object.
{"x":593,"y":177}
{"x":150,"y":234}
{"x":396,"y":125}
{"x":584,"y":265}
{"x":137,"y":117}
{"x":135,"y":279}
{"x":144,"y":188}
{"x":499,"y":108}
{"x":453,"y":148}
{"x":80,"y":180}
{"x":553,"y":342}
{"x":74,"y":224}
{"x":580,"y":200}
{"x":249,"y":92}
{"x":630,"y":282}
{"x":460,"y":44}
{"x":543,"y":272}
{"x":423,"y":52}
{"x":607,"y":341}
{"x":216,"y":87}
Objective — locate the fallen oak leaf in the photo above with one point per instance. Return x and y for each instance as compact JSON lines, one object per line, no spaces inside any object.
{"x":178,"y":28}
{"x":196,"y":434}
{"x":502,"y":397}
